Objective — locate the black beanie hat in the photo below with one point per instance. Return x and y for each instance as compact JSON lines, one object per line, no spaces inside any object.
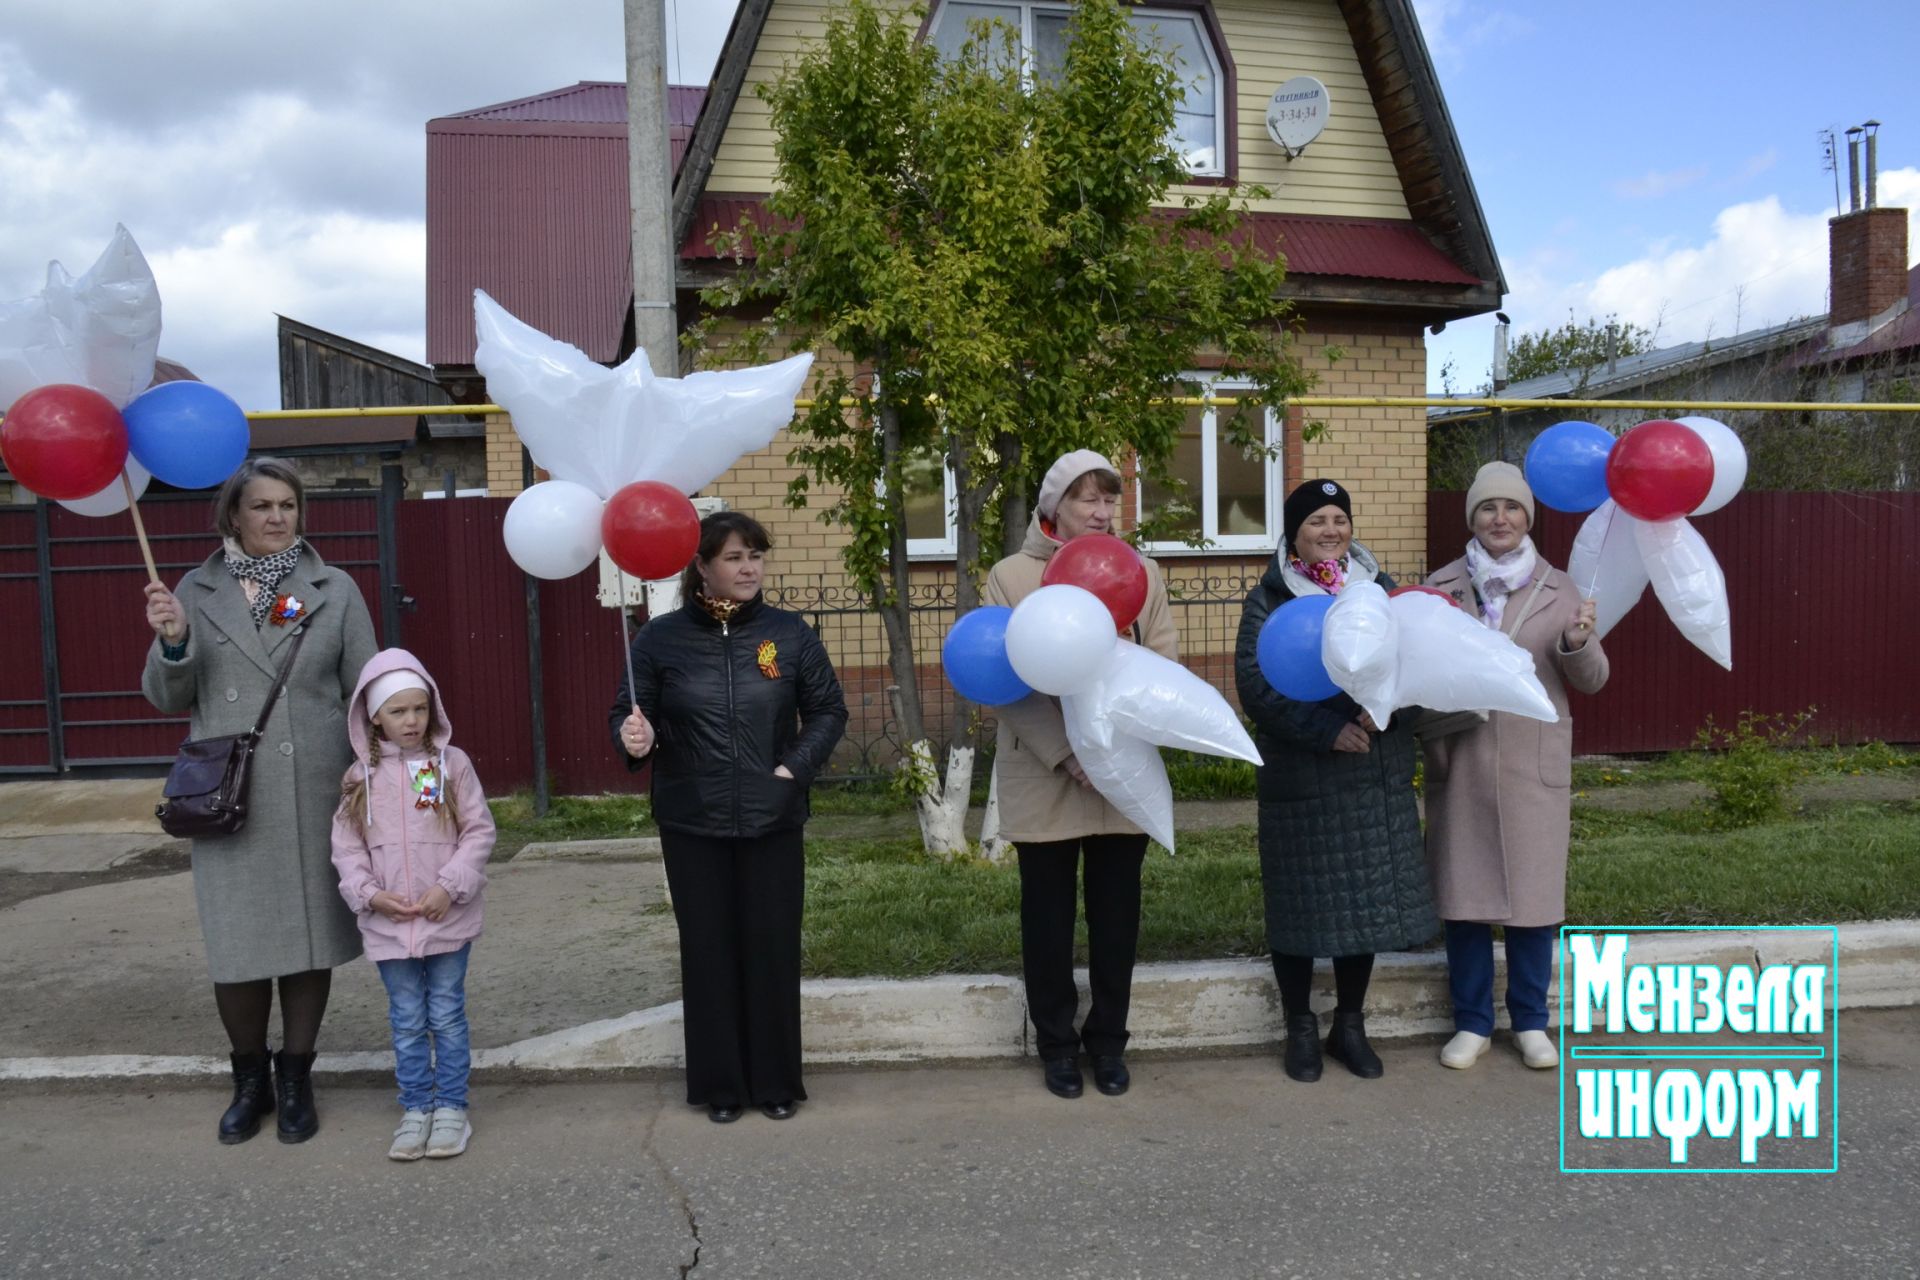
{"x":1309,"y":498}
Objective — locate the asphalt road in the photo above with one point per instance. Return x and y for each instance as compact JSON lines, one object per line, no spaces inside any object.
{"x":1215,"y":1167}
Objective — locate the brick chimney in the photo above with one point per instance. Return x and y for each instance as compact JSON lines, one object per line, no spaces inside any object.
{"x":1867,"y":255}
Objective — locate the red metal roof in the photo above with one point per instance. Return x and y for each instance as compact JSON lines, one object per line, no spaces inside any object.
{"x":1365,"y":248}
{"x":528,"y":200}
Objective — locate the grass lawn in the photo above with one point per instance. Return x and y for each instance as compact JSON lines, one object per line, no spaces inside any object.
{"x":881,"y":908}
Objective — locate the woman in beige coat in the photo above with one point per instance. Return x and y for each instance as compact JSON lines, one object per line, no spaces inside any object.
{"x":1051,"y":812}
{"x":1498,"y":795}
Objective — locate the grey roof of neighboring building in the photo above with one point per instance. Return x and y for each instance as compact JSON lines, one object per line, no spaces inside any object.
{"x":1632,"y":372}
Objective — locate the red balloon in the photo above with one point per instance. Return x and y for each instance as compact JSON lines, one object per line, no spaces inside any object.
{"x":63,"y":441}
{"x":1660,"y":470}
{"x":650,"y":530}
{"x":1414,"y":587}
{"x":1106,"y":566}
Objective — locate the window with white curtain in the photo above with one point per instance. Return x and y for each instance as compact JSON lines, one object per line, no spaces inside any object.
{"x":1199,"y":130}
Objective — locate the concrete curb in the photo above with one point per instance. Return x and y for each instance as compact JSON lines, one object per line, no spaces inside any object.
{"x":1200,"y":1005}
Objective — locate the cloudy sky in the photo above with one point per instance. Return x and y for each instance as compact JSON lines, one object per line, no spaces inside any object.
{"x":1657,"y":161}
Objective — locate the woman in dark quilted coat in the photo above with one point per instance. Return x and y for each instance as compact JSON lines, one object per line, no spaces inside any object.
{"x":1340,"y":845}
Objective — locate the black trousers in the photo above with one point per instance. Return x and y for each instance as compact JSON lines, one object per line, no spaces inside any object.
{"x":738,"y":904}
{"x":1048,"y":873}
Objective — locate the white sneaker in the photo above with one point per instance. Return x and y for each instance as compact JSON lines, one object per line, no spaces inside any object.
{"x":410,"y":1139}
{"x":1464,"y":1050}
{"x":450,"y":1133}
{"x":1536,"y":1050}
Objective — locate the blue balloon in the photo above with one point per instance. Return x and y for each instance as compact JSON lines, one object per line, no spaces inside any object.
{"x":187,"y":433}
{"x":1289,"y":649}
{"x":975,"y":656}
{"x":1567,"y":465}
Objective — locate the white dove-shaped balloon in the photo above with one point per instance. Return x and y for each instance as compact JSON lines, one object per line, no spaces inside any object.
{"x":606,"y":428}
{"x":1416,"y":650}
{"x":99,"y":331}
{"x":1140,"y":701}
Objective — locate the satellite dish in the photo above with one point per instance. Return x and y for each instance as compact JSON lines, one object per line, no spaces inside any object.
{"x":1296,"y":113}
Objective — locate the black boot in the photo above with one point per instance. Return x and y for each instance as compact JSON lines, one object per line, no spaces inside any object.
{"x":1302,"y":1056}
{"x":252,"y":1097}
{"x":1347,"y":1043}
{"x":294,"y":1077}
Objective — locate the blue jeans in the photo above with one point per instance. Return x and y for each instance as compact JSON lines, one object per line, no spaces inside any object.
{"x":1470,"y":974}
{"x":429,"y":995}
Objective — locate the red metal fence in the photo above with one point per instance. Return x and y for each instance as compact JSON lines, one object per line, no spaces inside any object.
{"x":1822,"y":588}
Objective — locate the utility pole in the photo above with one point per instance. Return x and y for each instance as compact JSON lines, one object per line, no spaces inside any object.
{"x":650,"y":186}
{"x":1500,"y":382}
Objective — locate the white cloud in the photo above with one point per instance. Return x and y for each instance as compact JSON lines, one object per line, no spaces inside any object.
{"x":1454,"y":28}
{"x":1652,"y":184}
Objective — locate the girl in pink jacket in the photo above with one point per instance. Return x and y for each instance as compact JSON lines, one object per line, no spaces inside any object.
{"x":411,"y":840}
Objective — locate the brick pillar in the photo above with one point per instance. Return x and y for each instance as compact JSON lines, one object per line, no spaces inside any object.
{"x":1867,"y":263}
{"x":503,"y":457}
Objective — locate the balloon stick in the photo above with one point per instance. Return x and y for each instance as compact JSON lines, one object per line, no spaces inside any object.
{"x":139,"y":528}
{"x":1593,"y":579}
{"x":626,"y":644}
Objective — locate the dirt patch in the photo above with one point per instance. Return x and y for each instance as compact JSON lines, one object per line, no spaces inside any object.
{"x":19,"y":886}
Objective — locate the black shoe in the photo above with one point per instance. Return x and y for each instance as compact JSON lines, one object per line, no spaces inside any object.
{"x":293,"y":1084}
{"x":252,"y":1097}
{"x":1063,"y":1077}
{"x":1302,"y":1055}
{"x":1110,"y":1074}
{"x":777,"y":1110}
{"x":1347,"y":1043}
{"x":723,"y":1115}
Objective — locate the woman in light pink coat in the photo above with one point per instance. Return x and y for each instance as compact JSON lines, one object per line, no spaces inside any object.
{"x":411,"y":840}
{"x":1498,"y":795}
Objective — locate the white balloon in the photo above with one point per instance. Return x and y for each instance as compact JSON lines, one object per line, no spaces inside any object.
{"x":1729,"y":461}
{"x":609,"y":428}
{"x":1059,"y":638}
{"x":1606,"y":566}
{"x":112,"y":500}
{"x":1450,"y":661}
{"x":1689,"y":582}
{"x":99,"y":331}
{"x":1360,"y":646}
{"x":553,"y":529}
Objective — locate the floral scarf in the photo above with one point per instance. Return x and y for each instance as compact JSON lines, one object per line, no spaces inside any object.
{"x":1330,"y":575}
{"x":1495,"y":580}
{"x":260,"y":576}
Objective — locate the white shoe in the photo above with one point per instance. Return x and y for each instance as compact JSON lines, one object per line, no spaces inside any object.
{"x":410,"y":1139}
{"x":1464,"y":1050}
{"x":450,"y":1133}
{"x":1536,"y":1050}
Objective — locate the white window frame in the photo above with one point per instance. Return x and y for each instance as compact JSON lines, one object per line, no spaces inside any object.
{"x":1027,"y":9}
{"x":944,"y":548}
{"x":1206,"y":501}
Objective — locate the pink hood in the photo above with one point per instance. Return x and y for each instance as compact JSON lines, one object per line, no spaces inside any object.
{"x":360,"y":715}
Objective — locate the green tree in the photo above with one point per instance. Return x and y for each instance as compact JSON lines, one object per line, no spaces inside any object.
{"x":1576,"y":347}
{"x":990,"y":258}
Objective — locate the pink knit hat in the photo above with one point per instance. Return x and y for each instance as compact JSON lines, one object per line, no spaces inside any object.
{"x":1062,"y":474}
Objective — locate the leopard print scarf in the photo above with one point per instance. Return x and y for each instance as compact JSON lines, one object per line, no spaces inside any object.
{"x":260,"y":576}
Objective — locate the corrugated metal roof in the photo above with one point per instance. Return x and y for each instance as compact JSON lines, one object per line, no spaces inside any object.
{"x":528,"y":200}
{"x":1363,"y":248}
{"x":589,"y":102}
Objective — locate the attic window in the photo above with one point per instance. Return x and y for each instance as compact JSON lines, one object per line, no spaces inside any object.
{"x":1200,"y":129}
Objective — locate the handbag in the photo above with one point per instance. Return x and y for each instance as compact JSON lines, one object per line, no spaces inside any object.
{"x":206,"y":790}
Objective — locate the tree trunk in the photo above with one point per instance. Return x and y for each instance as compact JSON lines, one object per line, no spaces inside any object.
{"x":1013,"y":499}
{"x":992,"y":847}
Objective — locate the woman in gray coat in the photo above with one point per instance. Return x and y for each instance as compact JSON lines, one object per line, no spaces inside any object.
{"x":269,"y":899}
{"x":1499,"y":795}
{"x":1340,"y":855}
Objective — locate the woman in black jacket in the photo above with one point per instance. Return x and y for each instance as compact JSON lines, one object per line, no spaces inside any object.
{"x":1341,"y":859}
{"x":735,"y":703}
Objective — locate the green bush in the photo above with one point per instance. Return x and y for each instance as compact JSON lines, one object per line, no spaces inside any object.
{"x":1749,"y":769}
